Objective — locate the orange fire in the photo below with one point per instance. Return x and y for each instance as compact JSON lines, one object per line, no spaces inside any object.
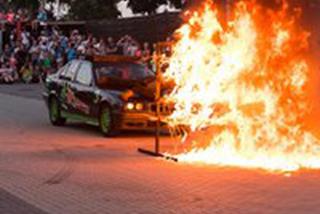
{"x":242,"y":84}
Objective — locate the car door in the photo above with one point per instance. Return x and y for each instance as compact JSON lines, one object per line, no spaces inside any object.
{"x":84,"y":90}
{"x":67,"y":97}
{"x":55,"y":84}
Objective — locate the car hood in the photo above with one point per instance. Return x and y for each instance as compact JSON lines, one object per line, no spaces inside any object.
{"x":130,"y":89}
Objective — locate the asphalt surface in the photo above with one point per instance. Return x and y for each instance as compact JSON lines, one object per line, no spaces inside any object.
{"x":72,"y":169}
{"x":32,"y":91}
{"x":13,"y":205}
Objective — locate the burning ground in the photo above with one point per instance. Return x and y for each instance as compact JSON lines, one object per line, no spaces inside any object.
{"x":242,"y":87}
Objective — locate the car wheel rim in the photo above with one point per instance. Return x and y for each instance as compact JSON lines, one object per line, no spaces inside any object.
{"x":54,"y":110}
{"x":105,"y":121}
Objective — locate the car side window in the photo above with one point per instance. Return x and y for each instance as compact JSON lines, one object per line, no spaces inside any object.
{"x":84,"y":75}
{"x":112,"y":71}
{"x":109,"y":71}
{"x":63,"y":71}
{"x":72,"y":70}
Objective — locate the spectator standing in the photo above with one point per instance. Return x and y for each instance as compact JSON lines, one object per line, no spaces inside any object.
{"x":6,"y":52}
{"x":133,"y":48}
{"x":34,"y":57}
{"x":64,"y":41}
{"x":10,"y":17}
{"x":111,"y":47}
{"x":71,"y":52}
{"x":20,"y":56}
{"x":124,"y":45}
{"x":101,"y":47}
{"x":42,"y":16}
{"x":146,"y":52}
{"x":25,"y":38}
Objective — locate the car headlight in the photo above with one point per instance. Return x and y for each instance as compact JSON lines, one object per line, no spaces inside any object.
{"x":129,"y":106}
{"x":139,"y":106}
{"x":134,"y":106}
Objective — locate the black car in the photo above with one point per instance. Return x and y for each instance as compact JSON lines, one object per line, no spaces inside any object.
{"x":115,"y":93}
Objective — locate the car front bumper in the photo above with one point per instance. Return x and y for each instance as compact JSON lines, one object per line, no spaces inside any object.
{"x":140,"y":121}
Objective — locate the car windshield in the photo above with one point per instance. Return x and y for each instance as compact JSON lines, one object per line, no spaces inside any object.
{"x":126,"y":71}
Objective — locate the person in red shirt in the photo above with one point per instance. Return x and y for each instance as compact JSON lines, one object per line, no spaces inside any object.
{"x":10,"y":16}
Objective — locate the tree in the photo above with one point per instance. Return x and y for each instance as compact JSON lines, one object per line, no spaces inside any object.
{"x":151,"y":6}
{"x":79,"y":9}
{"x":97,"y":9}
{"x":177,"y":3}
{"x":30,"y":4}
{"x":93,"y":9}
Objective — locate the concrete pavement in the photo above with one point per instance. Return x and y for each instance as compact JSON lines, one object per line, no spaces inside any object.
{"x":74,"y":170}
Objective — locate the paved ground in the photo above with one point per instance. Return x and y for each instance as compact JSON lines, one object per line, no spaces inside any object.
{"x":74,"y":170}
{"x":11,"y":204}
{"x":32,"y":91}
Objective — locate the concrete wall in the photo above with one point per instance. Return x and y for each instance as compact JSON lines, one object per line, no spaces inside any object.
{"x":158,"y":27}
{"x":152,"y":28}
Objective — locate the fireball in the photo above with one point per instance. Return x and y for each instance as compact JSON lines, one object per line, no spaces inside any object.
{"x":241,"y":84}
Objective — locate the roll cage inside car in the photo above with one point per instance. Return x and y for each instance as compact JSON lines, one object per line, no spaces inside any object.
{"x":72,"y":71}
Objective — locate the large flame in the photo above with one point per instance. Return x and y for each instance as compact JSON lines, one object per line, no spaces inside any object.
{"x":242,"y":84}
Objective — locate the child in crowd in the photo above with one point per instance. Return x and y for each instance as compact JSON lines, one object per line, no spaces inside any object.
{"x":7,"y":75}
{"x":27,"y":72}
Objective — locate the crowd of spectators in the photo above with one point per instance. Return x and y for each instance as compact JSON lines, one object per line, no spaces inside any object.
{"x":31,"y":49}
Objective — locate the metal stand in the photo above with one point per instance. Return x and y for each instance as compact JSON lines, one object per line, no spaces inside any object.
{"x":156,"y":153}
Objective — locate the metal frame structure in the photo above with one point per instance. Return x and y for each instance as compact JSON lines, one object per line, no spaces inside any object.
{"x":227,"y":4}
{"x":157,"y":59}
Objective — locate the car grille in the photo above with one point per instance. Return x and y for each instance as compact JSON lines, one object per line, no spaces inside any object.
{"x":165,"y":109}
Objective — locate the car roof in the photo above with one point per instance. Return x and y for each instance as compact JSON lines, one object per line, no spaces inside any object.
{"x":114,"y":59}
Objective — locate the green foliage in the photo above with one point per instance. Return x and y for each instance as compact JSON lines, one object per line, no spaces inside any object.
{"x":80,"y":9}
{"x":96,"y":9}
{"x":150,"y":6}
{"x":30,"y":4}
{"x":92,"y":9}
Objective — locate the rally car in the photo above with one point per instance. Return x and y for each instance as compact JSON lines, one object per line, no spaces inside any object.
{"x":112,"y":92}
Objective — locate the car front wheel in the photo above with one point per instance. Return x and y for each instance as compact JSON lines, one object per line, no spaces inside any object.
{"x":55,"y":113}
{"x":106,"y":121}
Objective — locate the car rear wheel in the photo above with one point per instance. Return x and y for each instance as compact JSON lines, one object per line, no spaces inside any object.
{"x":106,"y":121}
{"x":55,"y":113}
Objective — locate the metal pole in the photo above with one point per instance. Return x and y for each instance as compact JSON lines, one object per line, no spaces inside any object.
{"x":157,"y":60}
{"x":157,"y":98}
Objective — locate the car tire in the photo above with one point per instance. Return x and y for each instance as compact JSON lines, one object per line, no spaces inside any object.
{"x":55,"y":113}
{"x":106,"y":123}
